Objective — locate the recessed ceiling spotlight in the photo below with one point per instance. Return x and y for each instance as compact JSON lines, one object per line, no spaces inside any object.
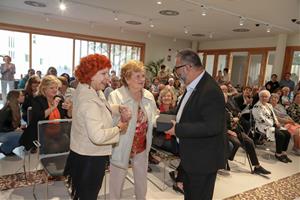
{"x":203,"y":10}
{"x":169,"y":12}
{"x":198,"y":35}
{"x":159,"y":2}
{"x":268,"y":28}
{"x":151,"y":23}
{"x":115,"y":15}
{"x":62,"y":5}
{"x":35,"y":4}
{"x":241,"y":30}
{"x":186,"y":30}
{"x":133,"y":22}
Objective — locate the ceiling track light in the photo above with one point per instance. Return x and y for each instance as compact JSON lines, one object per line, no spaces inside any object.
{"x":151,"y":23}
{"x":186,"y":30}
{"x":242,"y":21}
{"x":62,"y":5}
{"x":203,"y":10}
{"x":115,"y":15}
{"x":268,"y":28}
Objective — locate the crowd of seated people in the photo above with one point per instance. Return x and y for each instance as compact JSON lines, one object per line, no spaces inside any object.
{"x":273,"y":112}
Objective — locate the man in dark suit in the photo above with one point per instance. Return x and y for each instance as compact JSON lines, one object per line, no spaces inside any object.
{"x":200,"y":127}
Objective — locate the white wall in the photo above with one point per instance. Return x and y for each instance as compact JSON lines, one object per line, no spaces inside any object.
{"x":239,"y":43}
{"x":293,"y":40}
{"x":156,"y":46}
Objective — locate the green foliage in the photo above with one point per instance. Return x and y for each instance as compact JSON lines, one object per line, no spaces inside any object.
{"x":153,"y":67}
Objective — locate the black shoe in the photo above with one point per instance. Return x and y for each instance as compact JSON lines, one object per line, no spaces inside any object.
{"x":177,"y":189}
{"x":172,"y":175}
{"x":281,"y":158}
{"x":287,"y":158}
{"x":149,"y":169}
{"x":152,"y":160}
{"x":261,"y":170}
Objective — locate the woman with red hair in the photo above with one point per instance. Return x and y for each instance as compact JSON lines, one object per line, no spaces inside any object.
{"x":93,"y":132}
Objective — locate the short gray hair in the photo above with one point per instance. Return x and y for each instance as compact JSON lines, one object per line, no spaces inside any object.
{"x":264,"y":92}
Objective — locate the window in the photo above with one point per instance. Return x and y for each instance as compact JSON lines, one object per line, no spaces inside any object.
{"x":16,"y":45}
{"x":52,"y":51}
{"x":209,"y":65}
{"x":295,"y":70}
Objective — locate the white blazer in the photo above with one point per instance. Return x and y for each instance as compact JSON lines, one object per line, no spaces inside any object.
{"x":92,"y":130}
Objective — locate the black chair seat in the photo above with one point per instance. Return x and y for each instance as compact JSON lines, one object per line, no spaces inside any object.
{"x":54,"y":165}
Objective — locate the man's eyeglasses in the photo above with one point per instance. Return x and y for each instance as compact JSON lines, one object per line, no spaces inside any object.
{"x":177,"y":67}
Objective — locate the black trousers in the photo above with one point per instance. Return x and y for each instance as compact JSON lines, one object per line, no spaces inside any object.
{"x":86,"y":173}
{"x":199,"y":186}
{"x":180,"y":173}
{"x":282,"y":139}
{"x":246,"y":143}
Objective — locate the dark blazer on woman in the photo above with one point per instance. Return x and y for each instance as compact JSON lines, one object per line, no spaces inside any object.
{"x":39,"y":105}
{"x":6,"y":118}
{"x":25,"y":105}
{"x":201,"y":129}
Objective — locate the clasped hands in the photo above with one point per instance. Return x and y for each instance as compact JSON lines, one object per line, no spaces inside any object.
{"x":125,"y":118}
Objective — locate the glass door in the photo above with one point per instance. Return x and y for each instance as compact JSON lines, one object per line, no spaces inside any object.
{"x":209,"y":64}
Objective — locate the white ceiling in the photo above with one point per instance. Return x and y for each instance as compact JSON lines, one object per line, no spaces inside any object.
{"x":222,"y":16}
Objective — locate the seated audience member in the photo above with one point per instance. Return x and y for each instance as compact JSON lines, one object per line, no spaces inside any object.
{"x":24,"y":80}
{"x":237,"y":136}
{"x":114,"y":84}
{"x":273,"y":84}
{"x":167,"y":101}
{"x":231,"y":90}
{"x":297,"y":88}
{"x":285,"y":99}
{"x":64,"y":90}
{"x":286,"y":81}
{"x":286,"y":121}
{"x":67,"y":76}
{"x":219,"y":77}
{"x":154,"y":87}
{"x":30,"y":92}
{"x":10,"y":122}
{"x":47,"y":105}
{"x":244,"y":102}
{"x":266,"y":122}
{"x":39,"y":73}
{"x":294,"y":109}
{"x":51,"y":71}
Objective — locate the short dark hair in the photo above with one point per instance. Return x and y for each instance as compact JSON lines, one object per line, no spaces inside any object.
{"x":225,"y":70}
{"x":163,"y":67}
{"x":274,"y":75}
{"x":190,"y":57}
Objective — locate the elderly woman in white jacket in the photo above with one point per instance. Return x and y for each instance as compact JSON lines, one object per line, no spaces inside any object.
{"x":92,"y":133}
{"x":135,"y":144}
{"x":266,"y":122}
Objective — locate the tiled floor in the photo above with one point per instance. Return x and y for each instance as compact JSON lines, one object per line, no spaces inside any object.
{"x":227,"y":184}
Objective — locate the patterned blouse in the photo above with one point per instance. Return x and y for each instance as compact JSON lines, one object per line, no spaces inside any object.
{"x":294,"y":111}
{"x":139,"y":140}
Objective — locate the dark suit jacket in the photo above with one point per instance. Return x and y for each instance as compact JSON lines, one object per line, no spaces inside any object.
{"x":239,"y":100}
{"x":201,"y":129}
{"x":39,"y":105}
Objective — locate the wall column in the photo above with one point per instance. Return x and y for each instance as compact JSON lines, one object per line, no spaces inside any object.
{"x":279,"y":54}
